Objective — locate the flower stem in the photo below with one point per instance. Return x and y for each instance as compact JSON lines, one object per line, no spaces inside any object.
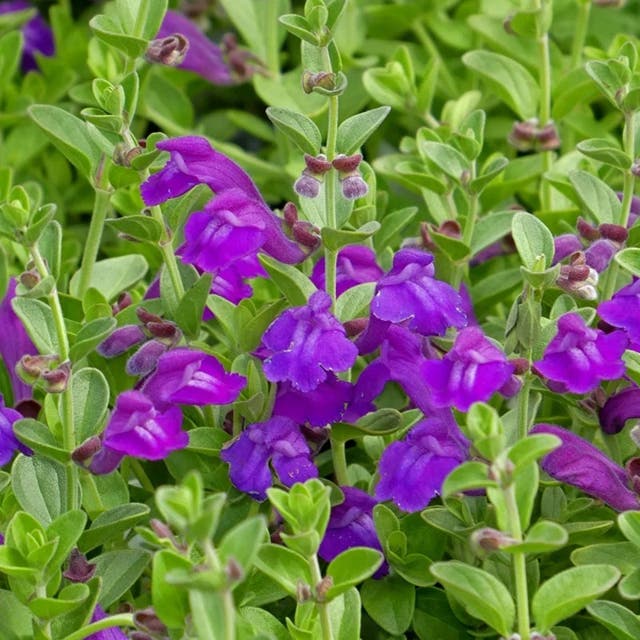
{"x":119,"y":620}
{"x":229,"y":608}
{"x":316,"y":577}
{"x":523,"y":408}
{"x":544,"y":65}
{"x":580,"y":32}
{"x":271,"y":38}
{"x":101,"y":207}
{"x":339,"y":458}
{"x":66,"y":400}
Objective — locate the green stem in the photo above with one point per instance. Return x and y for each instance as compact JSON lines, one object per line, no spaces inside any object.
{"x":138,"y":29}
{"x":168,"y":256}
{"x":339,"y":458}
{"x":45,"y":625}
{"x":519,"y":564}
{"x":523,"y":408}
{"x":119,"y":620}
{"x":229,"y":608}
{"x":141,"y":475}
{"x":450,"y":85}
{"x":316,"y":577}
{"x":271,"y":39}
{"x":101,"y":207}
{"x":68,"y":434}
{"x":580,"y":28}
{"x":237,"y":423}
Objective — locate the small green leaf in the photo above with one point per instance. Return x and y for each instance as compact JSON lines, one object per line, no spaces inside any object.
{"x":119,"y":571}
{"x":292,"y":283}
{"x":603,"y":150}
{"x":113,"y":275}
{"x":37,"y":319}
{"x":69,"y":598}
{"x":90,"y":402}
{"x":171,"y":604}
{"x":354,"y":301}
{"x":242,"y":542}
{"x":629,"y":586}
{"x":189,"y":312}
{"x":469,"y":475}
{"x":532,"y":239}
{"x":629,"y":523}
{"x":532,"y":448}
{"x":285,"y":566}
{"x":569,"y":591}
{"x":90,"y":336}
{"x":543,"y":537}
{"x":355,"y":131}
{"x":344,"y":616}
{"x":610,"y":76}
{"x":629,"y":259}
{"x":38,"y":436}
{"x":140,"y":227}
{"x":596,"y":196}
{"x":481,"y":594}
{"x":622,"y":623}
{"x":300,"y":129}
{"x":337,"y":238}
{"x":494,"y":166}
{"x":298,"y":26}
{"x":111,"y":524}
{"x":110,"y":30}
{"x":351,"y":567}
{"x":390,"y":603}
{"x":448,"y":159}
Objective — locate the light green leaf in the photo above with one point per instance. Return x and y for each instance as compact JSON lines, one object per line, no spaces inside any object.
{"x":300,"y":129}
{"x":355,"y":131}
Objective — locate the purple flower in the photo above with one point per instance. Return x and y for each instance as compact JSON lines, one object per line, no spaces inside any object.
{"x":121,"y":340}
{"x":306,"y":342}
{"x":111,"y":633}
{"x":203,"y":56}
{"x":37,"y":35}
{"x":565,"y":245}
{"x":409,"y":292}
{"x":229,"y":282}
{"x":9,"y":444}
{"x":193,"y":161}
{"x":277,"y":441}
{"x":577,"y":462}
{"x":623,"y":311}
{"x":351,"y":525}
{"x":579,"y":358}
{"x":187,"y":376}
{"x":471,"y":372}
{"x":15,"y":344}
{"x":356,"y":264}
{"x":600,"y":253}
{"x":323,"y":405}
{"x":619,"y":408}
{"x":412,"y":470}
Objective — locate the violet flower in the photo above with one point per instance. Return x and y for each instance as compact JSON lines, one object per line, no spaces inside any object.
{"x":187,"y":376}
{"x":623,"y":311}
{"x":307,"y":342}
{"x":229,"y":282}
{"x":277,"y":441}
{"x":351,"y":525}
{"x":409,"y":292}
{"x":37,"y":34}
{"x":619,"y":408}
{"x":193,"y":161}
{"x":355,"y":264}
{"x":323,"y":405}
{"x":121,"y":340}
{"x":9,"y":444}
{"x":203,"y":56}
{"x":412,"y":470}
{"x":110,"y":633}
{"x":579,"y":463}
{"x":472,"y":371}
{"x":14,"y":345}
{"x":579,"y":358}
{"x":565,"y":245}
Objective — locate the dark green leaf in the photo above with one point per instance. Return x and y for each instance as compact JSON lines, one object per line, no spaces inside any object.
{"x":390,"y":603}
{"x":111,"y":524}
{"x":300,"y":129}
{"x":354,"y":131}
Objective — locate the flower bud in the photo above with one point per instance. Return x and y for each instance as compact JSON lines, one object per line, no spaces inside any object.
{"x":147,"y":620}
{"x":353,"y":186}
{"x":614,"y":232}
{"x":169,"y":51}
{"x":290,"y":212}
{"x":308,"y":184}
{"x":306,"y":234}
{"x":303,"y":592}
{"x":587,"y":230}
{"x":323,"y":587}
{"x":161,"y":529}
{"x":579,"y":280}
{"x":29,"y":279}
{"x":233,"y":571}
{"x":30,"y":368}
{"x":488,"y":540}
{"x":145,"y":359}
{"x":522,"y":135}
{"x":86,"y":450}
{"x":165,"y":331}
{"x":323,"y":79}
{"x":124,"y":300}
{"x":145,"y":316}
{"x":600,"y":254}
{"x":79,"y":570}
{"x":121,"y":340}
{"x":55,"y":381}
{"x":548,"y":138}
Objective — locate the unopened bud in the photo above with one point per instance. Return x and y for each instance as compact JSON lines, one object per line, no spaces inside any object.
{"x":55,"y":381}
{"x":323,"y":79}
{"x":145,"y":359}
{"x":587,"y":230}
{"x":450,"y":228}
{"x":614,"y":232}
{"x":121,"y":340}
{"x":233,"y":571}
{"x":354,"y":187}
{"x":161,"y":529}
{"x":303,"y":592}
{"x":520,"y":365}
{"x":317,"y":165}
{"x":579,"y":280}
{"x":165,"y":331}
{"x":290,"y":213}
{"x":347,"y":164}
{"x":148,"y":621}
{"x":635,"y":169}
{"x":323,"y":587}
{"x":124,"y":300}
{"x":30,"y":368}
{"x":489,"y":540}
{"x":29,"y":279}
{"x":169,"y":51}
{"x":522,"y":135}
{"x":79,"y":570}
{"x":145,"y":316}
{"x":86,"y":450}
{"x":306,"y":234}
{"x":355,"y":326}
{"x":548,"y":137}
{"x":307,"y":186}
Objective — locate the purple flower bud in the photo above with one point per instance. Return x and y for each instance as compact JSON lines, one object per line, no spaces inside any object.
{"x":307,"y":342}
{"x":170,"y":50}
{"x":277,"y":441}
{"x":412,"y":470}
{"x":111,"y":633}
{"x":9,"y":444}
{"x":619,"y":408}
{"x":488,"y":539}
{"x":85,"y":452}
{"x":600,"y":254}
{"x":55,"y":380}
{"x":147,"y":620}
{"x":548,"y":137}
{"x":587,"y":230}
{"x":79,"y":570}
{"x":579,"y":358}
{"x":121,"y":340}
{"x":323,"y":79}
{"x":354,"y":187}
{"x":579,"y":463}
{"x":306,"y":234}
{"x":565,"y":245}
{"x":614,"y":232}
{"x":145,"y":359}
{"x":187,"y":376}
{"x":307,"y":185}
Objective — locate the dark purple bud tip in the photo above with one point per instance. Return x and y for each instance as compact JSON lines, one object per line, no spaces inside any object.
{"x":520,"y":365}
{"x":29,"y":279}
{"x":633,"y":467}
{"x":635,"y":169}
{"x":145,"y":359}
{"x":587,"y":230}
{"x":145,"y":316}
{"x":124,"y":154}
{"x":355,"y":326}
{"x":548,"y":137}
{"x":55,"y":381}
{"x":489,"y":540}
{"x":354,"y":187}
{"x":121,"y":340}
{"x":79,"y":570}
{"x":317,"y":164}
{"x":170,"y":51}
{"x":523,"y":134}
{"x":124,"y":300}
{"x":166,"y":331}
{"x":160,"y":528}
{"x":307,"y":186}
{"x":614,"y":232}
{"x":450,"y":228}
{"x":86,"y":450}
{"x":575,"y":273}
{"x":347,"y":164}
{"x":233,"y":571}
{"x":323,"y":79}
{"x":306,"y":234}
{"x":290,"y":213}
{"x":147,"y":620}
{"x":30,"y":368}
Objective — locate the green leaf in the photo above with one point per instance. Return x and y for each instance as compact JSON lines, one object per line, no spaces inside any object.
{"x":208,"y":615}
{"x":71,"y":597}
{"x":113,"y":275}
{"x":38,"y":436}
{"x":40,"y":486}
{"x":469,"y":475}
{"x":38,"y":321}
{"x":300,"y":27}
{"x":354,"y":301}
{"x":508,"y":78}
{"x":81,"y":143}
{"x":629,"y":586}
{"x":543,"y":537}
{"x":622,"y":623}
{"x":262,"y":620}
{"x":285,"y":566}
{"x":189,"y":312}
{"x":11,"y":45}
{"x":532,"y":448}
{"x":629,"y":259}
{"x":242,"y":542}
{"x":482,"y":595}
{"x":300,"y":129}
{"x":111,"y":524}
{"x":494,"y":166}
{"x":610,"y":76}
{"x":596,"y":196}
{"x":66,"y":528}
{"x":140,"y":227}
{"x":351,"y":567}
{"x":90,"y":402}
{"x":569,"y":591}
{"x":344,"y":616}
{"x":603,"y":150}
{"x":90,"y":336}
{"x":390,"y":603}
{"x":629,"y":524}
{"x":165,"y":104}
{"x":532,"y":239}
{"x":292,"y":283}
{"x":113,"y":32}
{"x":448,"y":159}
{"x":623,"y":555}
{"x":355,"y":131}
{"x":119,"y":571}
{"x":16,"y":621}
{"x":337,"y":238}
{"x":171,"y":604}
